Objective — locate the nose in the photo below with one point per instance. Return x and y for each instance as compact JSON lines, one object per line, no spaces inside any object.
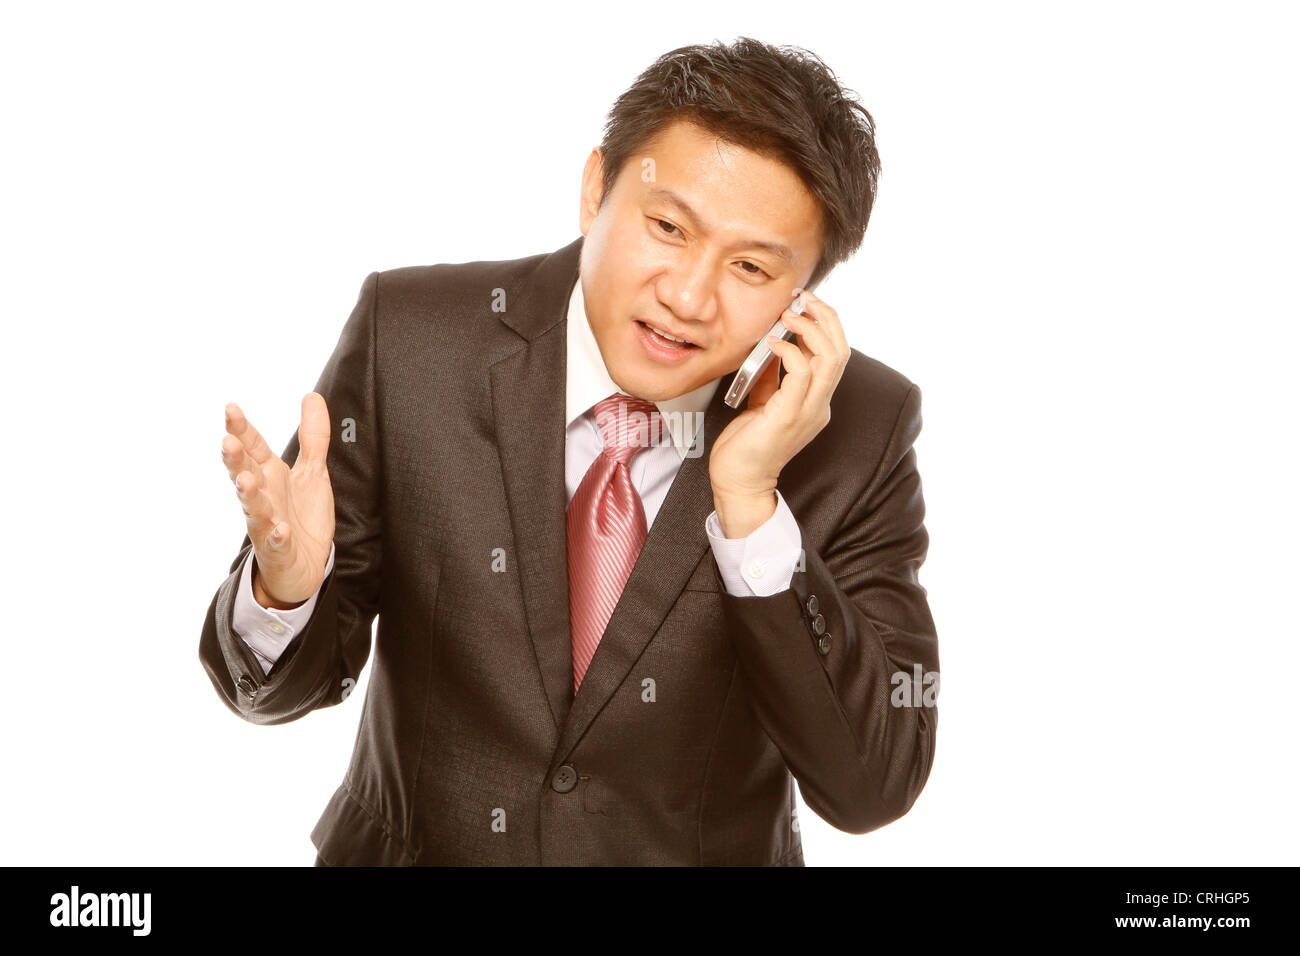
{"x":687,"y":289}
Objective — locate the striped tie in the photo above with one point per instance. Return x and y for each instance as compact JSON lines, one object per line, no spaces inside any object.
{"x":605,"y":522}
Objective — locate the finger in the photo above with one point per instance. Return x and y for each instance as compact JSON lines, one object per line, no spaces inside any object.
{"x":833,"y":349}
{"x":829,"y":319}
{"x":798,"y":373}
{"x":278,"y":539}
{"x":235,"y":458}
{"x":257,"y":505}
{"x":243,"y":429}
{"x":823,"y":358}
{"x":314,"y":432}
{"x":813,"y":335}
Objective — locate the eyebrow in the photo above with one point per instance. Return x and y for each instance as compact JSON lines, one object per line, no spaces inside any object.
{"x":778,"y":249}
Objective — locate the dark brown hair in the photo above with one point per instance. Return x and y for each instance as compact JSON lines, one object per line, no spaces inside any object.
{"x":782,"y":102}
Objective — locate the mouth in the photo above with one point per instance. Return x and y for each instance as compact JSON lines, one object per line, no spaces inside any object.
{"x":665,"y":339}
{"x":661,"y":348}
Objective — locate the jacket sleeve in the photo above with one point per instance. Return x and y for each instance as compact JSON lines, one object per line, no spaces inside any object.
{"x":323,"y":661}
{"x":843,"y":667}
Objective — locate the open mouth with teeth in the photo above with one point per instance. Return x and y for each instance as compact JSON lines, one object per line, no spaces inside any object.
{"x":666,"y":340}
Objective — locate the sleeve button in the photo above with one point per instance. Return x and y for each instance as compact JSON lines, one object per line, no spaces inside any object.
{"x":812,"y":605}
{"x":824,"y":645}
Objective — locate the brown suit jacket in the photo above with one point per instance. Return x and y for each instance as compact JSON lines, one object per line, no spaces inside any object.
{"x":698,"y":706}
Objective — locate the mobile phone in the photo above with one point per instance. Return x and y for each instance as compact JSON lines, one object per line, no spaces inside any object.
{"x":760,"y":359}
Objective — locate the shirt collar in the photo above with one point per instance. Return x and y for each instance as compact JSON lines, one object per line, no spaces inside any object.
{"x":587,"y":381}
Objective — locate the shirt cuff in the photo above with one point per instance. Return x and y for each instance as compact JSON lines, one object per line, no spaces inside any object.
{"x":762,"y":564}
{"x":268,"y":631}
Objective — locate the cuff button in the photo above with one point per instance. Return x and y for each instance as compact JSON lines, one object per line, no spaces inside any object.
{"x":824,"y":645}
{"x":812,"y":605}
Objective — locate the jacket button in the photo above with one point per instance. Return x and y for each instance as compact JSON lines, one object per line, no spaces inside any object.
{"x":812,"y":605}
{"x":245,"y":684}
{"x":824,"y":645}
{"x":819,"y":625}
{"x":565,"y":779}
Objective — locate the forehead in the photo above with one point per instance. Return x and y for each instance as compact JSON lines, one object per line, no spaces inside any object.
{"x":726,"y":188}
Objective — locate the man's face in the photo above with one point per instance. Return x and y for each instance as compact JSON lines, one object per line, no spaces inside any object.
{"x":691,"y":245}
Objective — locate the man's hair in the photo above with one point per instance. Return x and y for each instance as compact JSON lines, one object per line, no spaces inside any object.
{"x":781,"y":102}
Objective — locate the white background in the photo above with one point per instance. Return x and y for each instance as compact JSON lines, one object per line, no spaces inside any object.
{"x":1084,"y":252}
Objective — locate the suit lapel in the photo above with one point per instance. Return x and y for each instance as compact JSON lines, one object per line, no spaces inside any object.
{"x":528,"y":393}
{"x":528,"y":406}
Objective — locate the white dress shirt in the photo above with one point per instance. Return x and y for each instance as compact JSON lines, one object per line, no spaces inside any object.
{"x":760,"y":565}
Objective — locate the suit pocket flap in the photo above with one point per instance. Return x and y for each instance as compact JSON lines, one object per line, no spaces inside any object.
{"x":348,"y":834}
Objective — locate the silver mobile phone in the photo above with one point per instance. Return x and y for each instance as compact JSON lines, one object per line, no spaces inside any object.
{"x":759,"y":359}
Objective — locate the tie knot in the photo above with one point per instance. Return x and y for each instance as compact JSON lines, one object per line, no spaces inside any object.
{"x":628,"y":425}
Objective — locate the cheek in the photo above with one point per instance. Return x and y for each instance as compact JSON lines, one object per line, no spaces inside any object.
{"x":731,"y":355}
{"x":630,"y":264}
{"x":751,"y":313}
{"x":646,"y":253}
{"x":747,"y":329}
{"x":613,"y":246}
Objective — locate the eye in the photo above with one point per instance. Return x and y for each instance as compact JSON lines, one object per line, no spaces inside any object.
{"x":665,"y":222}
{"x":757,"y":271}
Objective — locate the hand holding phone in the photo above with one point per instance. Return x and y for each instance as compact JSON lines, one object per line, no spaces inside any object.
{"x":760,"y":358}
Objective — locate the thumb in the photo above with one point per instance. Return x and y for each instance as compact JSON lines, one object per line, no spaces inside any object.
{"x":314,"y":432}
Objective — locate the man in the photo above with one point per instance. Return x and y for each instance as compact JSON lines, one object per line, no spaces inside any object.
{"x":617,"y":619}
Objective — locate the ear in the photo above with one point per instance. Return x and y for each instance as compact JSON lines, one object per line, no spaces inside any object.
{"x":592,"y":189}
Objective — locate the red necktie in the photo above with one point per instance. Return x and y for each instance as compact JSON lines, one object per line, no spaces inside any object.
{"x":606,"y":525}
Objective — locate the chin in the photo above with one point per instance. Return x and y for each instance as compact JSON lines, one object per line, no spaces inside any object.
{"x":653,"y":385}
{"x":666,"y":387}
